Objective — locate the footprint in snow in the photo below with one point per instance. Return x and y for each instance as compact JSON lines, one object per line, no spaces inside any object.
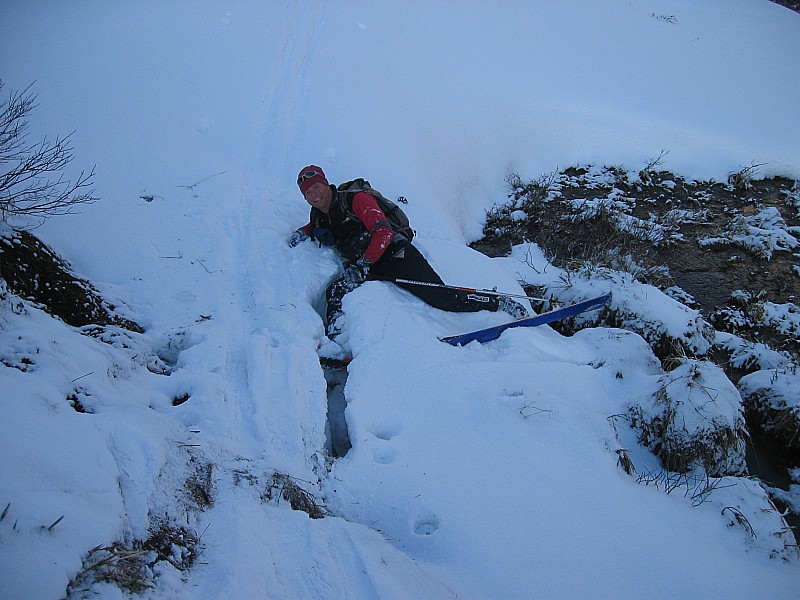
{"x":386,"y":431}
{"x":426,"y":524}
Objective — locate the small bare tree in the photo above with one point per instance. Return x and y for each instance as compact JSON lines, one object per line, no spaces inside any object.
{"x":31,"y":178}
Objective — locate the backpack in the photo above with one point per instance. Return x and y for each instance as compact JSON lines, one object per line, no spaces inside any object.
{"x":397,"y":218}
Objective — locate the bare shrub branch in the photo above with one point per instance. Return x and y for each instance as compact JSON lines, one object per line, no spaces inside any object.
{"x":286,"y":487}
{"x":32,"y":181}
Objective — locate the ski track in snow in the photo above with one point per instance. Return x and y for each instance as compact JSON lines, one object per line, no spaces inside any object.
{"x":269,"y":428}
{"x":246,"y":230}
{"x":278,"y":129}
{"x":267,"y":318}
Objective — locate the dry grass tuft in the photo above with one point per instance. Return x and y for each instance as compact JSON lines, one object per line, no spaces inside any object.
{"x":286,"y":487}
{"x":129,"y":565}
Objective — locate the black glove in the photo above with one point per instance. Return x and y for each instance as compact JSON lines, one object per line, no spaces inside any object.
{"x":357,"y":273}
{"x":297,"y":237}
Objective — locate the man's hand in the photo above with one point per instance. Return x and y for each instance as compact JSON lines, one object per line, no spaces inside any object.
{"x":357,"y":273}
{"x":297,"y":237}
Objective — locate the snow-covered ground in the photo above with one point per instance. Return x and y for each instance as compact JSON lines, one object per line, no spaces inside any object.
{"x":477,"y":472}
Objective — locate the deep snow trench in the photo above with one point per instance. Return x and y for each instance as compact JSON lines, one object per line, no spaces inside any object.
{"x":336,"y":433}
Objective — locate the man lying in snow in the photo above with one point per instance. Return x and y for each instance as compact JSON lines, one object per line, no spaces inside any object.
{"x":354,"y":224}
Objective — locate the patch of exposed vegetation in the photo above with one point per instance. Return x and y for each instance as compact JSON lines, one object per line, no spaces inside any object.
{"x":659,"y":227}
{"x":771,"y":399}
{"x":200,"y":486}
{"x":286,"y":487}
{"x":33,"y":271}
{"x":132,"y":565}
{"x":728,"y":251}
{"x":692,"y":419}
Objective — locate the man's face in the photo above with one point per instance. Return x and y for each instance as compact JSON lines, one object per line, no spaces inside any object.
{"x":319,"y":196}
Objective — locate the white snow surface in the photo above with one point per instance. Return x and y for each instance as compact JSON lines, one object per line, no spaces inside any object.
{"x":477,"y":472}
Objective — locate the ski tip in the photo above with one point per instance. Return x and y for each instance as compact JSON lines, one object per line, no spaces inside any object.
{"x":455,"y":340}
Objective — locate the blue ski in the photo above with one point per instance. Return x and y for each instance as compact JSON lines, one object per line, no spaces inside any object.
{"x":492,"y":333}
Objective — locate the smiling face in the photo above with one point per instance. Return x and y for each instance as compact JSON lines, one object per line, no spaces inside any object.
{"x":319,"y":196}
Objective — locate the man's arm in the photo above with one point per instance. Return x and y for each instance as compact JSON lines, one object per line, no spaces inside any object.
{"x":368,"y":212}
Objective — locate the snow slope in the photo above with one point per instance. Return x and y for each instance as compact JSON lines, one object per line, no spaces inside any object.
{"x":476,"y":472}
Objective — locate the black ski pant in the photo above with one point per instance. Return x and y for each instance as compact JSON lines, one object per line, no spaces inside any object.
{"x":408,"y":263}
